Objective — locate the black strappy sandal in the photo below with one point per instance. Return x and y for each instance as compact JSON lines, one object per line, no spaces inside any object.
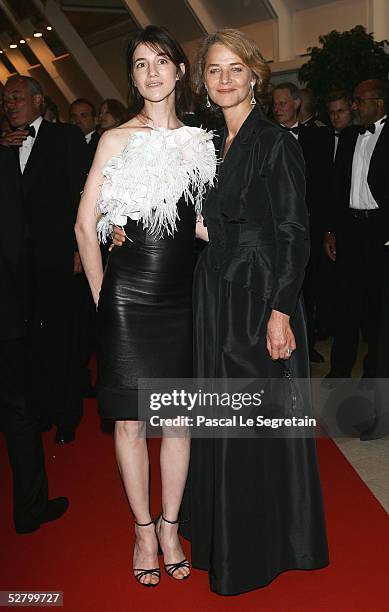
{"x":170,"y":568}
{"x":144,"y":572}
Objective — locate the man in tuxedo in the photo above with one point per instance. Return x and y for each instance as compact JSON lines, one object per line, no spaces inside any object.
{"x":83,"y":114}
{"x":340,"y":113}
{"x":50,"y":163}
{"x":316,"y":147}
{"x":358,"y":228}
{"x":31,"y":506}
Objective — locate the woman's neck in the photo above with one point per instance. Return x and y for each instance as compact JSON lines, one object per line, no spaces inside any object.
{"x":235,"y":117}
{"x":161,"y":114}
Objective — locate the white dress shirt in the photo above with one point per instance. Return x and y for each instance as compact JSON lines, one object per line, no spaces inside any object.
{"x":336,"y":142}
{"x":89,"y":136}
{"x":27,"y":144}
{"x":296,"y":136}
{"x":360,"y":195}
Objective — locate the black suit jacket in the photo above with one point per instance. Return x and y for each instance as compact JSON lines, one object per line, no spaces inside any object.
{"x":261,"y":187}
{"x":378,"y":179}
{"x":51,"y":185}
{"x":317,"y":147}
{"x":15,"y":253}
{"x":92,"y":145}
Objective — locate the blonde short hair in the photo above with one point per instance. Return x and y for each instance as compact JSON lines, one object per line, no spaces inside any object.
{"x":243,"y":47}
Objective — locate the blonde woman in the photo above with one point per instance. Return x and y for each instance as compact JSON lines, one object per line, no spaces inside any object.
{"x":255,"y":504}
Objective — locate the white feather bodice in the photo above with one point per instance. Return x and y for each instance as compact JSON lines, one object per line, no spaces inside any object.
{"x":155,"y":169}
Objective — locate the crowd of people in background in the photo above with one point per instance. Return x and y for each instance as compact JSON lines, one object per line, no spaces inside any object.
{"x":347,"y":196}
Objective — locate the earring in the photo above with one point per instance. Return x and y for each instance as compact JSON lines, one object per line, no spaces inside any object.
{"x":253,"y":100}
{"x":208,"y":104}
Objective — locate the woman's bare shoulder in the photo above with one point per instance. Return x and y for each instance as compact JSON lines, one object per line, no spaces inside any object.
{"x":113,"y":141}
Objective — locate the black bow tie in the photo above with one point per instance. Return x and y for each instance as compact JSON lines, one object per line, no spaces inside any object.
{"x":370,"y":128}
{"x":294,"y":130}
{"x":29,"y":128}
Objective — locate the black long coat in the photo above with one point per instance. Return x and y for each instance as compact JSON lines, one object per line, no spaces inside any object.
{"x":254,"y":504}
{"x":50,"y":188}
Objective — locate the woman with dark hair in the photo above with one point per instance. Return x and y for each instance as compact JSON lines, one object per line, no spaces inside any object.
{"x":112,"y":113}
{"x":255,"y":503}
{"x":148,"y":176}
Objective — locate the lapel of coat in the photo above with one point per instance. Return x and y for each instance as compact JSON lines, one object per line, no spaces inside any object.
{"x":344,"y":163}
{"x":36,"y":157}
{"x":379,"y":159}
{"x":241,"y":141}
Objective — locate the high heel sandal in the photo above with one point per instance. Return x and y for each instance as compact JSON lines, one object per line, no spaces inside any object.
{"x":144,"y":572}
{"x":170,"y":568}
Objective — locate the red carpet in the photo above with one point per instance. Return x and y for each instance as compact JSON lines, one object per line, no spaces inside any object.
{"x":87,"y":554}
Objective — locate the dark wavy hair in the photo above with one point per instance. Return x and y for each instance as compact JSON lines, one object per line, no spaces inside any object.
{"x":160,"y":40}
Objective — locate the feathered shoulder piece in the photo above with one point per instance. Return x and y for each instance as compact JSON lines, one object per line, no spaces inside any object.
{"x":147,"y":179}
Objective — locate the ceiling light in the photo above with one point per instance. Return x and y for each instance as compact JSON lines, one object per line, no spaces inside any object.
{"x":49,"y":28}
{"x":13,"y":46}
{"x":38,"y":34}
{"x":22,"y":41}
{"x":1,"y":51}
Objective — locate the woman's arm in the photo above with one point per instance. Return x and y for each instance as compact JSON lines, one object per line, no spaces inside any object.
{"x":88,"y":216}
{"x":286,"y":190}
{"x":285,"y":178}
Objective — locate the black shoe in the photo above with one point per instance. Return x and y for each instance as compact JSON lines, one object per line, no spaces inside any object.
{"x":55,"y":508}
{"x":171,"y":568}
{"x":315,"y":356}
{"x":155,"y":571}
{"x":65,"y":435}
{"x":371,"y":434}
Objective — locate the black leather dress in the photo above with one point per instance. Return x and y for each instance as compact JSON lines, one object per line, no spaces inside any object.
{"x":145,"y":314}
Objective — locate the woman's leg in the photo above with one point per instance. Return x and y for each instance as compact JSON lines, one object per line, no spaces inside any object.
{"x":175,"y":450}
{"x":133,"y":462}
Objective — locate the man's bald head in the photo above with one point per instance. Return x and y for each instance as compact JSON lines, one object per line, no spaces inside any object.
{"x":22,"y":100}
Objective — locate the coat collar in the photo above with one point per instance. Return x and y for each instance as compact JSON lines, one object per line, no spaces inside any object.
{"x":253,"y":123}
{"x":35,"y":156}
{"x":249,"y":126}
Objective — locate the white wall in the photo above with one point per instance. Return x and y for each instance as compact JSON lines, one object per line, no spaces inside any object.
{"x":261,"y":32}
{"x":311,"y":23}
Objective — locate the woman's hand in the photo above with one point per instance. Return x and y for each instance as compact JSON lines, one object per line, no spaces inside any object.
{"x":201,"y":230}
{"x":77,"y":265}
{"x":280,"y":338}
{"x":330,"y":245}
{"x":118,"y":237}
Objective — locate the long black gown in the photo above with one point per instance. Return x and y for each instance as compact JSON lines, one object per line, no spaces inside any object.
{"x":255,"y":505}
